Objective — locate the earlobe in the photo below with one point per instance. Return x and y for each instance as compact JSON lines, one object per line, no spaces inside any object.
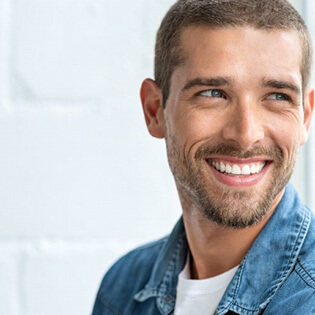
{"x":308,"y":113}
{"x":151,"y":99}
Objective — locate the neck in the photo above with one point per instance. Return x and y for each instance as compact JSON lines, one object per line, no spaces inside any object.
{"x":216,"y":249}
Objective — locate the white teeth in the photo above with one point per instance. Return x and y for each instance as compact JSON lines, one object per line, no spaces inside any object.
{"x":222,"y":167}
{"x":217,"y":165}
{"x":228,"y":169}
{"x":246,"y":170}
{"x":235,"y":169}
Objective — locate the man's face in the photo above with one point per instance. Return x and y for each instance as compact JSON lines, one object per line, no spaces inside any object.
{"x":234,"y":120}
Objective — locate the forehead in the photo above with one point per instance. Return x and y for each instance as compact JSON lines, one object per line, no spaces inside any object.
{"x":242,"y":52}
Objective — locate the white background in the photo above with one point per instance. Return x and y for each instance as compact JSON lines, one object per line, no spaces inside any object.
{"x":81,"y":180}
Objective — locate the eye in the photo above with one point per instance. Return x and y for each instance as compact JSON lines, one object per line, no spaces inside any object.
{"x":278,"y":97}
{"x":213,"y":93}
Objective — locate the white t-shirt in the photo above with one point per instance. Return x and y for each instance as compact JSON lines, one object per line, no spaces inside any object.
{"x":200,"y":297}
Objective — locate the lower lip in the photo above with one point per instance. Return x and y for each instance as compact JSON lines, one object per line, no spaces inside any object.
{"x":239,"y":180}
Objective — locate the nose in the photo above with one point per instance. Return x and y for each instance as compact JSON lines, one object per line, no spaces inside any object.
{"x":244,"y":126}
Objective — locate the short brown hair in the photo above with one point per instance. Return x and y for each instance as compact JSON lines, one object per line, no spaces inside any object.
{"x":259,"y":14}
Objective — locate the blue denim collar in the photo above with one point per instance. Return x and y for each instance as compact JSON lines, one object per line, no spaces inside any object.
{"x":170,"y":262}
{"x":261,"y":273}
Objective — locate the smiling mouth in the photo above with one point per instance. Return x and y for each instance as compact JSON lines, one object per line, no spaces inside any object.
{"x":237,"y":169}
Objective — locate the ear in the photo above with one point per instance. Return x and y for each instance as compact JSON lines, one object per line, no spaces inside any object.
{"x":308,"y":113}
{"x":152,"y":105}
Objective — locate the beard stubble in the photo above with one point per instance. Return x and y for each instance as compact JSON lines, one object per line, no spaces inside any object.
{"x":228,"y":207}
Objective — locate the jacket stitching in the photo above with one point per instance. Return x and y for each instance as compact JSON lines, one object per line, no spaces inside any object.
{"x":290,"y":263}
{"x":306,"y":272}
{"x":285,"y":272}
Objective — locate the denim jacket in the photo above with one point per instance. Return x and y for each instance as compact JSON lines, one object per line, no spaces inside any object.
{"x":277,"y":276}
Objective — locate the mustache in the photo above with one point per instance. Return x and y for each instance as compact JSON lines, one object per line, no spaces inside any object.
{"x":274,"y":153}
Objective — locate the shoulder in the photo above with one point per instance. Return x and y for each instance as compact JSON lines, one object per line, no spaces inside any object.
{"x":137,"y":263}
{"x":129,"y":275}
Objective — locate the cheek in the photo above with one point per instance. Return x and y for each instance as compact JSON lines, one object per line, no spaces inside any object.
{"x":196,"y":125}
{"x":286,"y":134}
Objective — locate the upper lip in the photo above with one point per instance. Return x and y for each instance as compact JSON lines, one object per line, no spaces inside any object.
{"x":235,"y":160}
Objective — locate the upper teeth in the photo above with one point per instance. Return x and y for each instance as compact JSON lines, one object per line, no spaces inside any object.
{"x":235,"y":169}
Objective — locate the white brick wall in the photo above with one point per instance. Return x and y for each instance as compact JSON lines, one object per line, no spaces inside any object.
{"x":81,"y":182}
{"x":9,"y":285}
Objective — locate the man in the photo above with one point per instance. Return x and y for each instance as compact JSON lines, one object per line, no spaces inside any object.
{"x":231,"y":99}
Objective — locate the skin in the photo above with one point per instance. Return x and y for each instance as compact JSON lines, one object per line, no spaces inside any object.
{"x":254,"y":115}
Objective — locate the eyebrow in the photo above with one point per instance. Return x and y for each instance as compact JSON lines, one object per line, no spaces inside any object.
{"x":278,"y":84}
{"x":224,"y":81}
{"x":216,"y":81}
